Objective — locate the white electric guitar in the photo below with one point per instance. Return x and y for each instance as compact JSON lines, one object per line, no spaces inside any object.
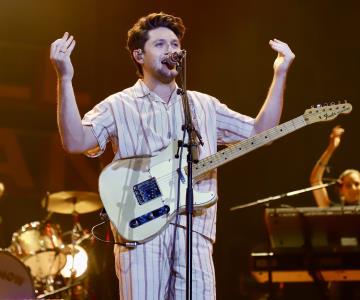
{"x":140,"y":194}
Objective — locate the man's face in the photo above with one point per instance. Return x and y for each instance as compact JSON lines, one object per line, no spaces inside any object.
{"x":350,"y":188}
{"x":161,"y":42}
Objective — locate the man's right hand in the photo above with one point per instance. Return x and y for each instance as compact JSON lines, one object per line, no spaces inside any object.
{"x":60,"y":52}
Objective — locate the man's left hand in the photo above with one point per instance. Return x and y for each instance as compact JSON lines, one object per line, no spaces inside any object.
{"x":285,"y":56}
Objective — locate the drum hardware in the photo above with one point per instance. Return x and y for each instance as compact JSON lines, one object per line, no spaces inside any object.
{"x":65,"y":288}
{"x":47,"y":284}
{"x":76,"y":265}
{"x":77,"y":259}
{"x":47,"y":218}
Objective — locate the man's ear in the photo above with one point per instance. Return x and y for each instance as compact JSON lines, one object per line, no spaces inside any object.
{"x":138,"y":56}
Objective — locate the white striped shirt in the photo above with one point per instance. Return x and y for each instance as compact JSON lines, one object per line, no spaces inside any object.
{"x":139,"y":123}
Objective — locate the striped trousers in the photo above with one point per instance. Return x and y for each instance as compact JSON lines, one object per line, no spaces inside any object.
{"x":156,"y":270}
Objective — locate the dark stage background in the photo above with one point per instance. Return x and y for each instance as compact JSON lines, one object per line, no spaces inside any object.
{"x":227,"y":44}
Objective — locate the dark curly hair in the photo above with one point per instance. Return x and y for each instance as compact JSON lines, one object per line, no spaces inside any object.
{"x":138,"y":34}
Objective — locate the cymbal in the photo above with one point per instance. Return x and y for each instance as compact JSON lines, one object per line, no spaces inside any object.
{"x":69,"y":202}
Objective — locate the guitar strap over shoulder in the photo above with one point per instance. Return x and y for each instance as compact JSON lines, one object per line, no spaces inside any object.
{"x":193,"y":113}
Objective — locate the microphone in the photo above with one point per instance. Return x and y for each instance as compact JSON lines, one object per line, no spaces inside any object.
{"x":174,"y":58}
{"x":332,"y":180}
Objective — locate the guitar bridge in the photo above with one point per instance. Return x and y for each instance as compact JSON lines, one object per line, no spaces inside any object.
{"x":146,"y":191}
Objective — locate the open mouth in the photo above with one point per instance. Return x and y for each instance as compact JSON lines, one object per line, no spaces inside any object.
{"x":169,"y":66}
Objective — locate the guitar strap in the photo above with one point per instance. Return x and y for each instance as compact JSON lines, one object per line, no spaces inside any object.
{"x":193,"y":113}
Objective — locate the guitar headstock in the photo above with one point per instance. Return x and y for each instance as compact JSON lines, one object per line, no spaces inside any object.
{"x":326,"y":112}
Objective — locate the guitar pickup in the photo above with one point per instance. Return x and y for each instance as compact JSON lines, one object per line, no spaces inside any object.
{"x":149,"y":216}
{"x":146,"y":191}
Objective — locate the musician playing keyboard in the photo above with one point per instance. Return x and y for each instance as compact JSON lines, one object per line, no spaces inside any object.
{"x":348,"y":189}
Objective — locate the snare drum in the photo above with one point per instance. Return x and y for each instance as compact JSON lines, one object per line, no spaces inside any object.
{"x":15,"y":279}
{"x":39,"y":246}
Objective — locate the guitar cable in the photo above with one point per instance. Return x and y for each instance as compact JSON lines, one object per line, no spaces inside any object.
{"x":105,"y":218}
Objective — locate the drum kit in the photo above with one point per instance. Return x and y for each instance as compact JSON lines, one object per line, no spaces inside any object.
{"x":38,"y":263}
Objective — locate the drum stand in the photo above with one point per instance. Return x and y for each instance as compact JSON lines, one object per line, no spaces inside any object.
{"x":49,"y":284}
{"x":77,"y":236}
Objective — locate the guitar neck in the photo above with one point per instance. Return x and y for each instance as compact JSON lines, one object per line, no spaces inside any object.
{"x":240,"y":148}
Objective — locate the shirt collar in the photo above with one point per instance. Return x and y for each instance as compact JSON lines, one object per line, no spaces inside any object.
{"x":141,"y":90}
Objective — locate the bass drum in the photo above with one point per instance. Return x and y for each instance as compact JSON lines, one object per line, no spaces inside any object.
{"x":15,"y":278}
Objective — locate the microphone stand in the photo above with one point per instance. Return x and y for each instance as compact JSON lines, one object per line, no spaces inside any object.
{"x":192,"y":156}
{"x":289,"y":194}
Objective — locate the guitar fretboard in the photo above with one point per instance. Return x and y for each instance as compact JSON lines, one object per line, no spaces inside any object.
{"x":245,"y":146}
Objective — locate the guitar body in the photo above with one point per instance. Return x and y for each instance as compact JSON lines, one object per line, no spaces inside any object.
{"x":140,"y":194}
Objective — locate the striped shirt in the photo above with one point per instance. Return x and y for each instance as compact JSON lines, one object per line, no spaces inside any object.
{"x":138,"y":122}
